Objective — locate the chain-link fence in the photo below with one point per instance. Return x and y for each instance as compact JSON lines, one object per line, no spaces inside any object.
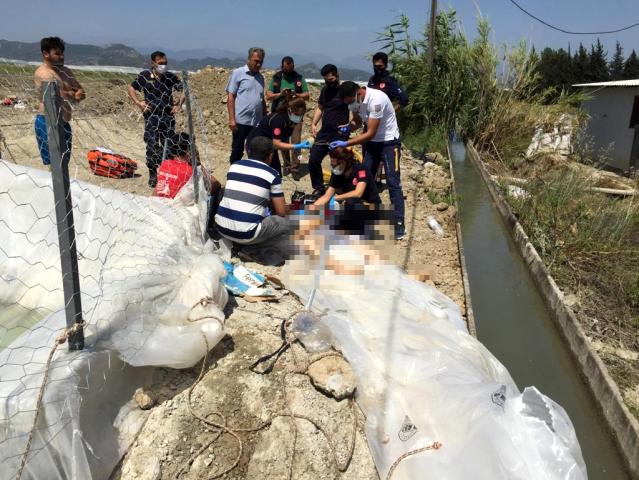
{"x":95,"y":254}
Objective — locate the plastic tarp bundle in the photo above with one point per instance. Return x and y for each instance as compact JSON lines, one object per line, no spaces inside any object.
{"x":151,"y":296}
{"x":423,"y":379}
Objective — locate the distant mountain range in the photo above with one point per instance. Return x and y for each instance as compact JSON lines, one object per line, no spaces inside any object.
{"x":115,"y":54}
{"x":125,"y":56}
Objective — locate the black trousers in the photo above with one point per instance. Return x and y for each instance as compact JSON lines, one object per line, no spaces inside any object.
{"x":239,"y":138}
{"x":318,"y":152}
{"x":357,"y":218}
{"x":157,"y":128}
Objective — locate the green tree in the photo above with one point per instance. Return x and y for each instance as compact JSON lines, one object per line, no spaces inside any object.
{"x":631,"y":67}
{"x":617,"y":63}
{"x":598,"y":65}
{"x":581,"y":66}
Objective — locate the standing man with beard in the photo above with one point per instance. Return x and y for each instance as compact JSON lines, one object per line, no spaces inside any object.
{"x":53,"y":70}
{"x":158,"y":108}
{"x":245,"y":100}
{"x":333,"y":113}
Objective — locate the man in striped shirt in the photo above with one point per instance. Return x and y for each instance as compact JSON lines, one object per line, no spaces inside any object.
{"x":253,"y":190}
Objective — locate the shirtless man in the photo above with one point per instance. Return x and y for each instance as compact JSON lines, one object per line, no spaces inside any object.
{"x":53,"y":69}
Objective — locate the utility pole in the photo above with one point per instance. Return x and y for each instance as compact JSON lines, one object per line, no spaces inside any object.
{"x":431,"y":39}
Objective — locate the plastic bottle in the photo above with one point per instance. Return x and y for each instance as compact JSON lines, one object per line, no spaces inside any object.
{"x":435,"y":226}
{"x":313,"y":334}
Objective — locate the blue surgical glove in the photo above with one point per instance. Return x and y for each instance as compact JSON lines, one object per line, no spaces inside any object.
{"x":337,"y":144}
{"x":304,"y":144}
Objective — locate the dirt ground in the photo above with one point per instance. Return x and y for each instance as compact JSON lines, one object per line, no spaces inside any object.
{"x":314,"y":447}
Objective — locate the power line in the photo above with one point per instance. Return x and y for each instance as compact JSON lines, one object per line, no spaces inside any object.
{"x":569,"y":31}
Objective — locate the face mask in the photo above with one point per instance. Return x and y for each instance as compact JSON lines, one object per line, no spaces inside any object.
{"x":295,"y":118}
{"x":333,"y":83}
{"x":354,"y":107}
{"x":378,"y":70}
{"x":161,"y":69}
{"x":338,"y":170}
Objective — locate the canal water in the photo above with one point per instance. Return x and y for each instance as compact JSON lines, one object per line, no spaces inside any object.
{"x":514,"y":323}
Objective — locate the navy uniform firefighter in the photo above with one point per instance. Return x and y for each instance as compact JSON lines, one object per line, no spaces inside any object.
{"x":381,"y":140}
{"x":287,"y":82}
{"x":382,"y":80}
{"x":158,"y":107}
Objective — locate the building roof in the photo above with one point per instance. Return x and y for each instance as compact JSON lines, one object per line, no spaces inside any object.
{"x":616,"y":83}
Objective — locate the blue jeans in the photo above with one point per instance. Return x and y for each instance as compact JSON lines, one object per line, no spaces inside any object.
{"x":42,"y":138}
{"x":389,"y":153}
{"x":157,"y":128}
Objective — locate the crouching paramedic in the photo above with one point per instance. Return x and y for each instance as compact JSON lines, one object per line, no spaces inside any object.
{"x":353,"y":185}
{"x":252,"y":212}
{"x":279,"y":125}
{"x":381,"y":140}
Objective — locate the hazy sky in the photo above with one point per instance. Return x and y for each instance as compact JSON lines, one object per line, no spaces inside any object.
{"x":337,"y":28}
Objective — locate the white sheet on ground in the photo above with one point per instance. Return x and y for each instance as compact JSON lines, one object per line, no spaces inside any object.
{"x":151,"y":293}
{"x":422,"y":379}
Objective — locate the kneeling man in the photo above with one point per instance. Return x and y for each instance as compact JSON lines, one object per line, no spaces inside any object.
{"x":252,"y":212}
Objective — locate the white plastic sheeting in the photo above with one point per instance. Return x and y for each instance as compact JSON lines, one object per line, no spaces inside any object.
{"x":151,"y":294}
{"x":423,"y":379}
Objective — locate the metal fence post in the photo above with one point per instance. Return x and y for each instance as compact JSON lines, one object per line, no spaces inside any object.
{"x":60,"y":155}
{"x":189,"y":122}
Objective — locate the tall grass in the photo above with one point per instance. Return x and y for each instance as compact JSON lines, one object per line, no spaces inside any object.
{"x":590,"y":242}
{"x":485,"y":94}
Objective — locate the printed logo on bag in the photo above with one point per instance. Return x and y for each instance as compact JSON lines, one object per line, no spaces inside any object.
{"x":382,"y":85}
{"x":408,"y":429}
{"x":299,"y":84}
{"x":277,"y":131}
{"x":499,"y":397}
{"x":377,"y":108}
{"x":361,"y":174}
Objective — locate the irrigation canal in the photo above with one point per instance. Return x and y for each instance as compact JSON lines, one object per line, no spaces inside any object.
{"x":514,"y":323}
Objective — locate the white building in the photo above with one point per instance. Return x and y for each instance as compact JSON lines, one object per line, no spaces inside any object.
{"x":614,"y":120}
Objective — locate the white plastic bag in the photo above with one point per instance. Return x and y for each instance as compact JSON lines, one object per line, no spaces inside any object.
{"x":423,"y":379}
{"x":152,"y":295}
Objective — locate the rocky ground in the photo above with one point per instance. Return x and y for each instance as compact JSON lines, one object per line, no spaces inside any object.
{"x":315,"y":447}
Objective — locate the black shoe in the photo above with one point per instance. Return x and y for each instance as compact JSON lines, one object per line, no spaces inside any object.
{"x":400,"y":229}
{"x":153,"y":179}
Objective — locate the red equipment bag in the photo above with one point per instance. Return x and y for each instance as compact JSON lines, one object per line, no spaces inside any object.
{"x":111,"y":165}
{"x":172,"y":176}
